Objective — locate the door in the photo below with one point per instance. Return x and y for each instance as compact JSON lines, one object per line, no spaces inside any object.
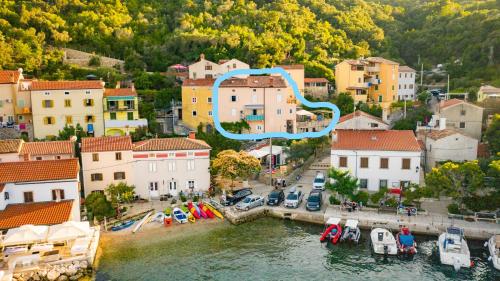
{"x":153,"y":190}
{"x":172,"y":188}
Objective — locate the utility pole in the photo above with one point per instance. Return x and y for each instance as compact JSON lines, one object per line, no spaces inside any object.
{"x":173,"y":117}
{"x":448,"y":88}
{"x":422,"y":75}
{"x":404,"y":113}
{"x":271,"y":162}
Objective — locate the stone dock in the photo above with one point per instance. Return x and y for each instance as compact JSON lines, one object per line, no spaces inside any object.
{"x":368,"y":218}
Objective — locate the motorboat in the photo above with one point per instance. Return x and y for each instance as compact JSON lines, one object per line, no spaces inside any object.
{"x":333,"y":231}
{"x":453,"y":248}
{"x":383,"y":242}
{"x":123,"y":225}
{"x":180,"y":216}
{"x":406,"y":242}
{"x":494,"y":248}
{"x":351,"y":231}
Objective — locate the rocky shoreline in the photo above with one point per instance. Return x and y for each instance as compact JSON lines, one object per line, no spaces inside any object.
{"x":59,"y":272}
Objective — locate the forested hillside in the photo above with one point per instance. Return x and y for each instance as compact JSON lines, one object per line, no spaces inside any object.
{"x":151,"y":34}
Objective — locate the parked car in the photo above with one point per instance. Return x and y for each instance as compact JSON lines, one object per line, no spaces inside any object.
{"x":319,"y":181}
{"x":236,"y":196}
{"x":314,"y":201}
{"x":294,"y":198}
{"x":250,"y":202}
{"x":275,"y":197}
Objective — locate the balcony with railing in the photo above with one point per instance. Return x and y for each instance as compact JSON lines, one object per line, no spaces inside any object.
{"x":22,"y":110}
{"x":373,"y":68}
{"x":258,"y":117}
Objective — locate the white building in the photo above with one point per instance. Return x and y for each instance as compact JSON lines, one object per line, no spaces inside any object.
{"x":155,"y":166}
{"x":39,"y":192}
{"x":360,"y":120}
{"x":206,"y":69}
{"x":407,"y":88}
{"x":447,"y":144}
{"x":377,"y":158}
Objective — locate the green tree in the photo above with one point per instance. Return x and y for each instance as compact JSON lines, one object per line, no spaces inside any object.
{"x":492,"y":135}
{"x":232,"y":165}
{"x":69,"y":131}
{"x":98,"y":206}
{"x":120,"y":193}
{"x":343,"y":183}
{"x":345,"y":103}
{"x":299,"y":150}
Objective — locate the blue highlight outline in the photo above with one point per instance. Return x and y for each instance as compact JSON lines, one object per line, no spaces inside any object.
{"x":295,"y":88}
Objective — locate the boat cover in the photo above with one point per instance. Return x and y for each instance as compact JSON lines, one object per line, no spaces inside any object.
{"x":406,"y":240}
{"x":351,"y":223}
{"x":331,"y":221}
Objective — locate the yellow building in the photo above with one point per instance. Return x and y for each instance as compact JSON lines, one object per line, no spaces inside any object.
{"x":121,"y":111}
{"x":371,"y":80}
{"x":197,"y":103}
{"x":56,"y":104}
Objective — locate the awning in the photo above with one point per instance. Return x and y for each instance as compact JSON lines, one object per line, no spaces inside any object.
{"x":305,"y":113}
{"x":258,"y":153}
{"x":26,"y":234}
{"x":68,"y":231}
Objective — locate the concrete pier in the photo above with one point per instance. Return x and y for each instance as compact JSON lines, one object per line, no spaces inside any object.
{"x":421,"y":224}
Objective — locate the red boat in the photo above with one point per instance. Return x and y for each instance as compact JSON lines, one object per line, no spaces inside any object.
{"x":406,"y":242}
{"x":206,"y":210}
{"x":193,"y":210}
{"x":333,"y":231}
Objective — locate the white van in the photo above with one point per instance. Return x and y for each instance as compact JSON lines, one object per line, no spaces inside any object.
{"x":319,"y":181}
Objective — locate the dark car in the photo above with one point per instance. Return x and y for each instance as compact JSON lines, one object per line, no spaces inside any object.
{"x":236,"y":196}
{"x":314,"y":201}
{"x":275,"y":198}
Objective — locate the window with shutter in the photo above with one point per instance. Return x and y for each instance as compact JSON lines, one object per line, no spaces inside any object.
{"x":406,"y":164}
{"x":343,"y":161}
{"x":384,"y":163}
{"x":28,"y":197}
{"x":364,"y":162}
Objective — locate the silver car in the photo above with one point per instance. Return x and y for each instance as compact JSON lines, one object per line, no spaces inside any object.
{"x":250,"y":202}
{"x":293,"y":199}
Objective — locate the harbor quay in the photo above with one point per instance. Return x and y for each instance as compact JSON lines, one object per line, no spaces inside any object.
{"x":427,"y":224}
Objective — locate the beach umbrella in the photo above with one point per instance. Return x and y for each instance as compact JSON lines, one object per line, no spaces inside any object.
{"x":68,"y":231}
{"x":26,"y":234}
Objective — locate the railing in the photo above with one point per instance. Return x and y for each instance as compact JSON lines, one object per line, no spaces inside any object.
{"x":120,"y":108}
{"x":373,"y":68}
{"x":22,"y":110}
{"x":254,"y":117}
{"x":374,"y":81}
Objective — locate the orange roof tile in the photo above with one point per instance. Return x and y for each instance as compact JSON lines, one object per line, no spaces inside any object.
{"x":9,"y":76}
{"x":450,"y":102}
{"x":39,"y":213}
{"x":120,"y":92}
{"x":317,"y":80}
{"x":359,"y":113}
{"x":110,"y":143}
{"x":66,"y":85}
{"x":391,"y":140}
{"x":170,"y":144}
{"x":45,"y":170}
{"x":380,"y":60}
{"x":439,"y":134}
{"x":48,"y":148}
{"x":405,"y":68}
{"x":255,"y":82}
{"x":198,"y":82}
{"x":10,"y":146}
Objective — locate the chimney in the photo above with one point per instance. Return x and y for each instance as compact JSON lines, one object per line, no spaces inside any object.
{"x":384,"y":115}
{"x":442,"y":123}
{"x":12,"y":80}
{"x":202,"y":56}
{"x":335,"y":137}
{"x":192,"y":135}
{"x":26,"y":157}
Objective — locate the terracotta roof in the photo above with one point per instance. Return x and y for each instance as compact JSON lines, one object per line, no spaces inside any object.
{"x":198,"y":82}
{"x":66,"y":85}
{"x":255,"y":82}
{"x":110,"y":143}
{"x":489,"y":89}
{"x":291,"y":66}
{"x":170,"y":144}
{"x":359,"y":113}
{"x":404,"y":68}
{"x":439,"y":134}
{"x":120,"y":92}
{"x":391,"y":140}
{"x":381,"y":60}
{"x":9,"y":76}
{"x":10,"y":146}
{"x":308,"y":80}
{"x":48,"y":148}
{"x":355,"y":62}
{"x":450,"y":102}
{"x":39,"y":213}
{"x":45,"y":170}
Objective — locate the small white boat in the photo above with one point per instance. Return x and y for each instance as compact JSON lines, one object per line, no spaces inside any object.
{"x":180,"y":216}
{"x":157,"y":217}
{"x":494,"y":248}
{"x":383,"y":242}
{"x":351,"y":231}
{"x":453,"y":248}
{"x":141,"y":222}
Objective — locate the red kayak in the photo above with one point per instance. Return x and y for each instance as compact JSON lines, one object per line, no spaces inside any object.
{"x":193,"y":210}
{"x":206,"y":210}
{"x":333,"y":232}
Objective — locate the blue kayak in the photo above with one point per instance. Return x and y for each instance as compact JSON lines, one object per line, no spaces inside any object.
{"x":123,"y":225}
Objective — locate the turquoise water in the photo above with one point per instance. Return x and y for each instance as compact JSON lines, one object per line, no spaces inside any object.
{"x":270,"y":249}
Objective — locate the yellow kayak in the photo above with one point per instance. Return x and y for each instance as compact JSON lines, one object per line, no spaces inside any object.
{"x":214,"y":210}
{"x":190,"y":216}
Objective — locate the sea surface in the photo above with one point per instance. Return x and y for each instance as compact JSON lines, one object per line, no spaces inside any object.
{"x":272,"y":249}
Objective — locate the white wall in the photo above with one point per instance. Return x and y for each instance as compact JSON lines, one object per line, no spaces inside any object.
{"x":9,"y":157}
{"x":169,"y":169}
{"x":42,"y":192}
{"x":405,"y":91}
{"x":456,"y":147}
{"x":394,"y":174}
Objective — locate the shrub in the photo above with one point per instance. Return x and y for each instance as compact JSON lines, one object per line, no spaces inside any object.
{"x":361,"y":196}
{"x":453,"y":208}
{"x":95,"y":61}
{"x":333,"y":200}
{"x":183,"y":198}
{"x":196,"y":198}
{"x":377,"y":196}
{"x":391,"y":202}
{"x":173,"y":201}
